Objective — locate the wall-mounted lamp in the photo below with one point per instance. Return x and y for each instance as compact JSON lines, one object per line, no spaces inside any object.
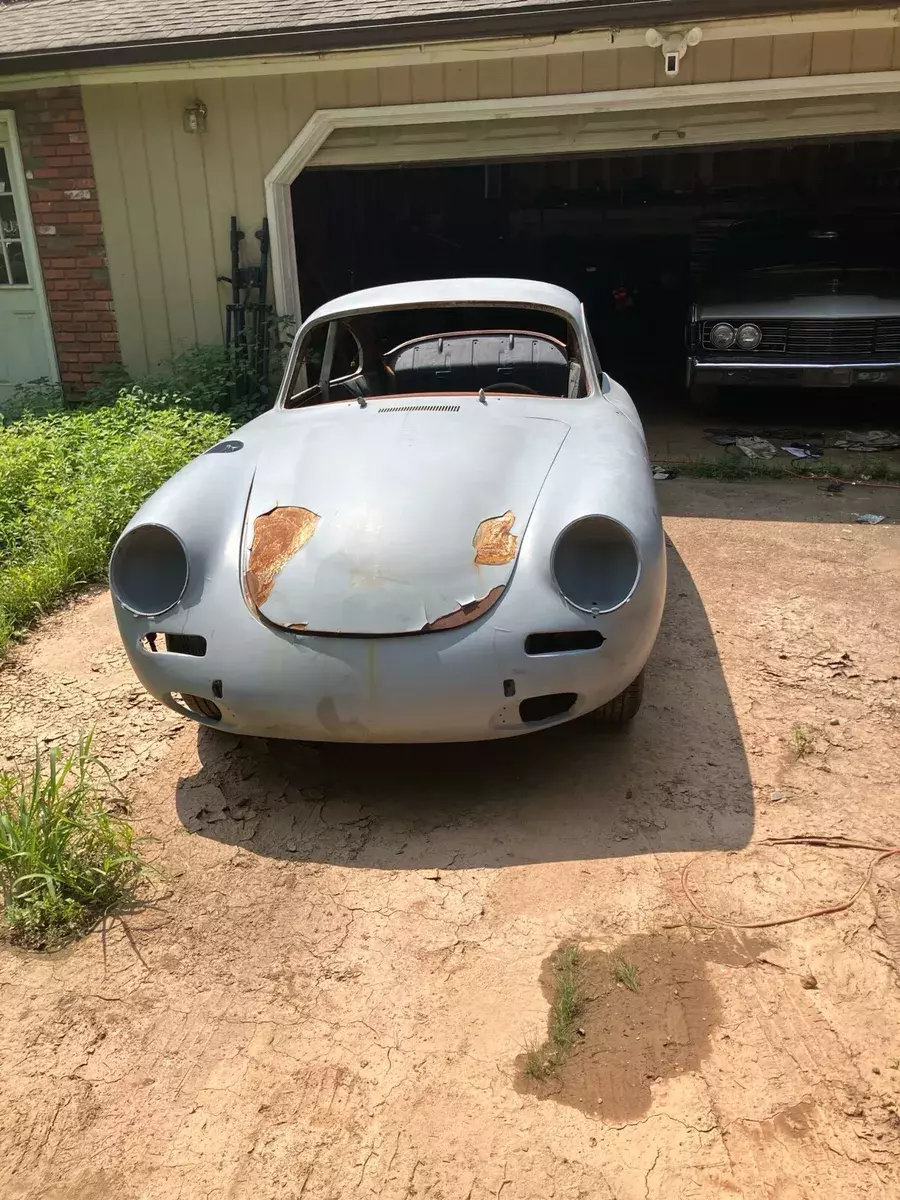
{"x":673,"y":46}
{"x":194,"y":118}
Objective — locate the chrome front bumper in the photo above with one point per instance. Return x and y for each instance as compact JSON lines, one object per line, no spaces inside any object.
{"x":725,"y":372}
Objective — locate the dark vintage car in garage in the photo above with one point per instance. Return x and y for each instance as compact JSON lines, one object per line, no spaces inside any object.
{"x":796,"y":303}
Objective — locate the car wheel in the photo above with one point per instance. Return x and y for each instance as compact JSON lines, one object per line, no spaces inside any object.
{"x":624,"y":707}
{"x":704,"y":400}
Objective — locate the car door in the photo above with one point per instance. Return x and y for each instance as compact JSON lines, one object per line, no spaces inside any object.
{"x":26,"y":350}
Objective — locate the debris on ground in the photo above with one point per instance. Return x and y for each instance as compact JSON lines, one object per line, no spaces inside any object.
{"x":803,"y":450}
{"x":660,"y":473}
{"x":755,"y":447}
{"x":784,"y":435}
{"x":869,"y":519}
{"x":866,"y":441}
{"x":834,"y":488}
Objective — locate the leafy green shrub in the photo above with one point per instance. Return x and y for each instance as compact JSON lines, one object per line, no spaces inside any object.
{"x":65,"y":860}
{"x":201,"y":377}
{"x":211,"y":378}
{"x":32,"y":399}
{"x":71,"y":480}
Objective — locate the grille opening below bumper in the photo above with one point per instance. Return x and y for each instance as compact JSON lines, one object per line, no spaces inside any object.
{"x":198,"y":705}
{"x":542,"y":708}
{"x":563,"y":643}
{"x":175,"y":643}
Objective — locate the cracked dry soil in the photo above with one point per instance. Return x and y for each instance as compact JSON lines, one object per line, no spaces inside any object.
{"x":344,"y":955}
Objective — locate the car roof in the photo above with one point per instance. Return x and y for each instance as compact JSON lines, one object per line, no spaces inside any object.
{"x":527,"y":293}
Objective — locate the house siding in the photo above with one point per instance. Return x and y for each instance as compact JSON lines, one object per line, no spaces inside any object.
{"x":167,"y":196}
{"x":62,"y":192}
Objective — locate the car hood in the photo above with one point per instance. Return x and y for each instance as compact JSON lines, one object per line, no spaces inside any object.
{"x":393,"y":518}
{"x":820,"y":292}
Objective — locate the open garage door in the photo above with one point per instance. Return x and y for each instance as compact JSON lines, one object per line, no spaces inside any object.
{"x":632,"y":234}
{"x":623,"y":208}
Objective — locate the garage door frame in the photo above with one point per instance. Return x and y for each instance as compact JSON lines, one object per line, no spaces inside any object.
{"x":312,"y":137}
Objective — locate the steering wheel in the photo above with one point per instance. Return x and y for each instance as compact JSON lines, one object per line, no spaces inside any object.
{"x":503,"y":385}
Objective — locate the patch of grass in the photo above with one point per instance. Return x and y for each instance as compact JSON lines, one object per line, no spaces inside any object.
{"x":65,"y":859}
{"x":536,"y":1065}
{"x":739,"y":467}
{"x":803,"y":740}
{"x":567,"y":999}
{"x":626,"y":973}
{"x":70,"y":480}
{"x":540,"y":1060}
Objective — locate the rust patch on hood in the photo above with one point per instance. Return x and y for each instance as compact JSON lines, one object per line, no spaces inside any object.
{"x":494,"y":543}
{"x":277,"y":536}
{"x":466,"y":612}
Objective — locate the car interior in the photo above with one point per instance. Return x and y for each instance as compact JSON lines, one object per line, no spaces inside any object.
{"x":359,"y":357}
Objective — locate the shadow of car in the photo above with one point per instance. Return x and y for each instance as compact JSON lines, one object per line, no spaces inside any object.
{"x":676,"y":780}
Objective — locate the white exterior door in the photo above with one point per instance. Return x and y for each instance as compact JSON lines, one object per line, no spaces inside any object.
{"x":26,"y":348}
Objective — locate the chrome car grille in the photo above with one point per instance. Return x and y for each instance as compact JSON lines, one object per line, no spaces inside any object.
{"x":831,"y":339}
{"x":817,"y":340}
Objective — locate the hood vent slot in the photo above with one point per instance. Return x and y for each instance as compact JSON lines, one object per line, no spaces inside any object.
{"x":401,"y":408}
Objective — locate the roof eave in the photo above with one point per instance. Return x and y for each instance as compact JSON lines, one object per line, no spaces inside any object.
{"x":491,"y":23}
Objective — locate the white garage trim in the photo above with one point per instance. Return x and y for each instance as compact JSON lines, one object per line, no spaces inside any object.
{"x":324,"y":122}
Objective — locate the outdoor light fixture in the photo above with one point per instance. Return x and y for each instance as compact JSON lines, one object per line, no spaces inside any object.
{"x":194,"y":117}
{"x":673,"y":46}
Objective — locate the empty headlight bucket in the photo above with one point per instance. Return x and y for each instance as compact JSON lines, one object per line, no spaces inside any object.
{"x":596,"y":564}
{"x":722,"y":335}
{"x":148,"y":571}
{"x":749,"y":336}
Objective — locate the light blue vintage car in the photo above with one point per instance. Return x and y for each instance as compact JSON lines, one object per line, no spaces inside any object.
{"x":444,"y":530}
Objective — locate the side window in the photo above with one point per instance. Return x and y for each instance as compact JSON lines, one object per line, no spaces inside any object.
{"x":12,"y":254}
{"x":346,"y":354}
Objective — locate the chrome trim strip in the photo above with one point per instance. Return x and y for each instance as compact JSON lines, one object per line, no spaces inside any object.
{"x":792,"y":366}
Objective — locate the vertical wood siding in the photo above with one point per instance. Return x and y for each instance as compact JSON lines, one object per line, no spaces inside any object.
{"x":166,"y":196}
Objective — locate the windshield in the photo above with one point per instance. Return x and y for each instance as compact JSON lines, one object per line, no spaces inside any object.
{"x":826,"y":244}
{"x":456,"y":349}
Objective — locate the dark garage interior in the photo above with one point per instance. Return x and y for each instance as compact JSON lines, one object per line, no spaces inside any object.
{"x":632,"y":234}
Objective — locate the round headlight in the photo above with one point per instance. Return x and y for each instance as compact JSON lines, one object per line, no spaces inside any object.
{"x":749,"y":337}
{"x":596,"y":564}
{"x":149,"y":570}
{"x":722,"y":336}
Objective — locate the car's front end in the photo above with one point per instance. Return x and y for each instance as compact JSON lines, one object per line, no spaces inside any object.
{"x":796,"y":305}
{"x":565,"y":630}
{"x":835,"y":340}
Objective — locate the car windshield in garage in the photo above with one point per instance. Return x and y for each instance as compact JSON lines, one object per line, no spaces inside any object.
{"x":804,"y":245}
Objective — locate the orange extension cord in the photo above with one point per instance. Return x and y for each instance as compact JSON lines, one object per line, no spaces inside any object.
{"x":803,"y":840}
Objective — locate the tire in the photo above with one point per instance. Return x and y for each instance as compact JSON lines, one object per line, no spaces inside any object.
{"x":624,"y":707}
{"x":704,"y":400}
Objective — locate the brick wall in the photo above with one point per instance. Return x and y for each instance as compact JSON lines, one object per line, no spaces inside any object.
{"x":66,"y":216}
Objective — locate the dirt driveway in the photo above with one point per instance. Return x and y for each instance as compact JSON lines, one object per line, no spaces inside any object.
{"x":331,"y":997}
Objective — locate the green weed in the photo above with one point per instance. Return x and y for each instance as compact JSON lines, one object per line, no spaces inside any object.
{"x":65,"y":860}
{"x":535,"y":1063}
{"x":626,"y":973}
{"x":540,"y":1060}
{"x":803,"y":740}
